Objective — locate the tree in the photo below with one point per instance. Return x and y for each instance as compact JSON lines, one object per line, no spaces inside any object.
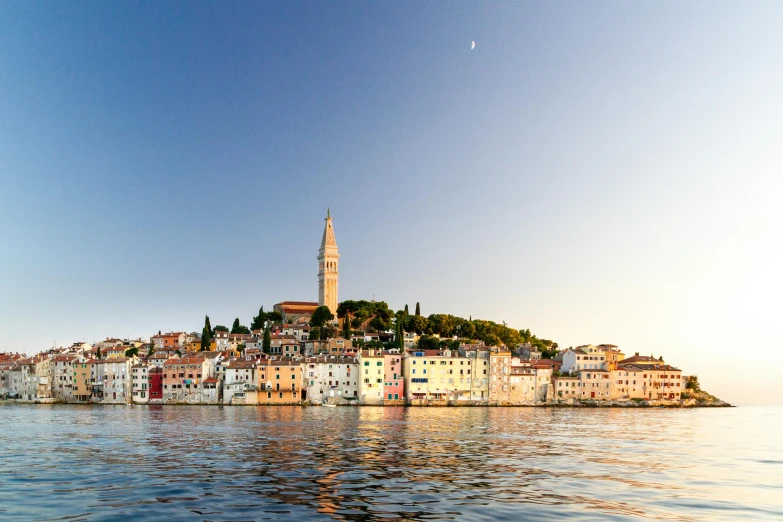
{"x":206,"y":335}
{"x":466,"y":330}
{"x":321,"y":316}
{"x":259,"y":321}
{"x":406,"y":309}
{"x":98,"y":353}
{"x":150,"y":350}
{"x":418,"y":309}
{"x":274,"y":317}
{"x":267,"y":342}
{"x":209,"y":325}
{"x":492,"y":340}
{"x":427,"y":342}
{"x":241,"y":347}
{"x":416,"y":323}
{"x":220,"y":328}
{"x":346,"y":310}
{"x":132,"y":352}
{"x":399,"y":336}
{"x":237,"y":328}
{"x":346,"y":329}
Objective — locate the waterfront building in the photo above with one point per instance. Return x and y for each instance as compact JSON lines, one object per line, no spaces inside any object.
{"x":371,"y":378}
{"x":522,"y":381}
{"x":596,"y":384}
{"x":280,"y":381}
{"x":566,"y":387}
{"x":647,"y":381}
{"x":543,"y":380}
{"x":156,"y":384}
{"x":240,"y":380}
{"x":182,"y":379}
{"x":111,"y":382}
{"x":140,"y":382}
{"x":479,"y":354}
{"x":44,"y":377}
{"x":328,"y":376}
{"x":82,"y":380}
{"x":393,"y":381}
{"x":500,"y":371}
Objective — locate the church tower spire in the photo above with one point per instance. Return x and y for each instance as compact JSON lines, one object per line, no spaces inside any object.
{"x":327,"y":267}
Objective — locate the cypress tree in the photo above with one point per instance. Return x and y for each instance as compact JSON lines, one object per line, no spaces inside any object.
{"x":400,"y":336}
{"x":406,"y":309}
{"x":206,"y":335}
{"x":347,"y":328}
{"x":418,"y":309}
{"x":209,"y":327}
{"x":267,"y":343}
{"x":98,"y":353}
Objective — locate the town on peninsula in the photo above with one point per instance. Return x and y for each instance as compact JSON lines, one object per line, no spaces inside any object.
{"x":346,"y":353}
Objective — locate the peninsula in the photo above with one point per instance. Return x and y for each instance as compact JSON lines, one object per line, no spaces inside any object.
{"x":348,"y":353}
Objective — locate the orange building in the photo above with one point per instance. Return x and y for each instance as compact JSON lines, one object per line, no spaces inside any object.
{"x":82,"y":381}
{"x":280,"y":381}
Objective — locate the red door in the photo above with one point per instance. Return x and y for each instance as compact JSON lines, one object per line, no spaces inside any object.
{"x":592,"y":395}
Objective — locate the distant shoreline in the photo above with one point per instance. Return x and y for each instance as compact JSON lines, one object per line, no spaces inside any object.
{"x":587,"y":405}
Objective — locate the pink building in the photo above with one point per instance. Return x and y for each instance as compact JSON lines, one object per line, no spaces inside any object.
{"x":393,"y":381}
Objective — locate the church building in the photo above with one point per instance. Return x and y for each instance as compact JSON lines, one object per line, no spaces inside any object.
{"x":328,"y":257}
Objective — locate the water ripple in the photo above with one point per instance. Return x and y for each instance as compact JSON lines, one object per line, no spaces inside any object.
{"x":214,"y":463}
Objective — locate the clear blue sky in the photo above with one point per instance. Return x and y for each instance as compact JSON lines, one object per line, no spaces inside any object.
{"x":596,"y":172}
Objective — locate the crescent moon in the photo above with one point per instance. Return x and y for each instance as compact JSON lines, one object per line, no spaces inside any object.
{"x":472,"y":45}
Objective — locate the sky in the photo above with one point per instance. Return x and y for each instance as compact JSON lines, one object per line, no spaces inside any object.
{"x":598,"y":172}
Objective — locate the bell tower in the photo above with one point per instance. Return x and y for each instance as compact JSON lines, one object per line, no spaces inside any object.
{"x":327,"y":267}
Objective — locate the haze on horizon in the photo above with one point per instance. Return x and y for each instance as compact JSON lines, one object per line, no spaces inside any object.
{"x":598,"y":173}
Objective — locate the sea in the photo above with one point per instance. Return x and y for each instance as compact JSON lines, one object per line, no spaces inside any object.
{"x":73,"y":462}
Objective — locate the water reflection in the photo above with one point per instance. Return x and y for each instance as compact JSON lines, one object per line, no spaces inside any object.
{"x":235,"y":463}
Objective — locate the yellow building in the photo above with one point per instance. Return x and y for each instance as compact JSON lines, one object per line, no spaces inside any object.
{"x":195,"y":346}
{"x":445,"y":375}
{"x":82,"y":381}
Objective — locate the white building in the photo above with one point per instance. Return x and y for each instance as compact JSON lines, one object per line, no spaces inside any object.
{"x":140,"y":382}
{"x":577,"y":359}
{"x":241,"y":376}
{"x":112,"y":380}
{"x":332,"y":376}
{"x":63,"y":376}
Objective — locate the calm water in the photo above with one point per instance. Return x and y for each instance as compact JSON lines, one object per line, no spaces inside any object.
{"x":246,"y":463}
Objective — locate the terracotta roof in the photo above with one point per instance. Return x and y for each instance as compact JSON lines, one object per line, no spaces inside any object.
{"x":241,"y":365}
{"x":185,"y":360}
{"x":209,"y":380}
{"x":640,"y":358}
{"x":298,"y":303}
